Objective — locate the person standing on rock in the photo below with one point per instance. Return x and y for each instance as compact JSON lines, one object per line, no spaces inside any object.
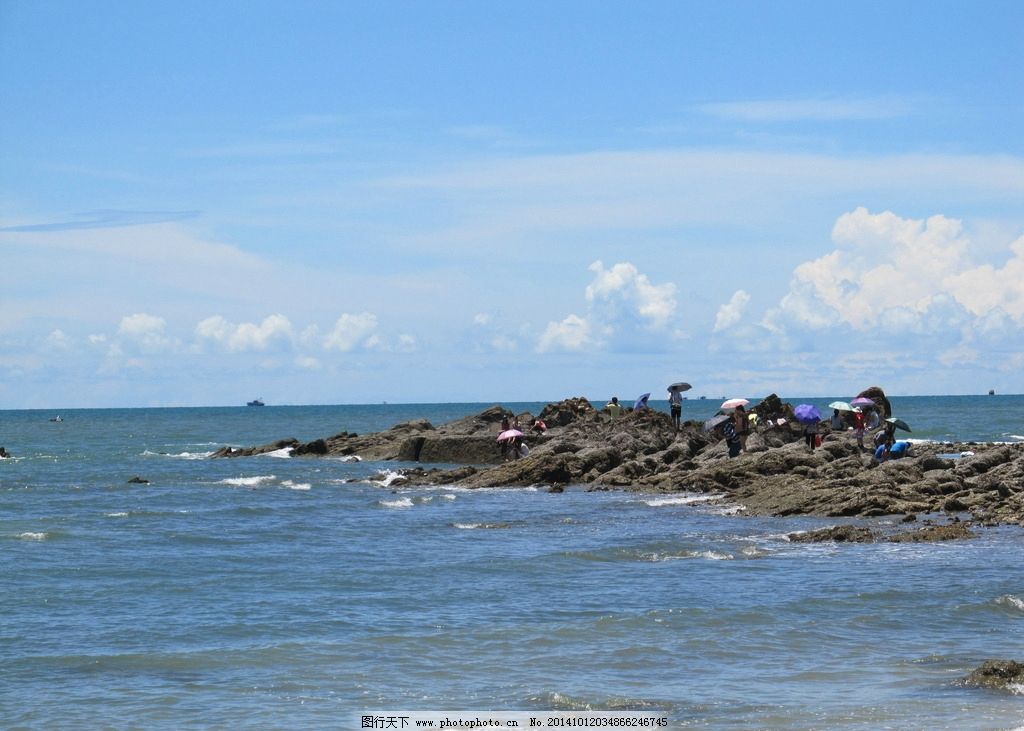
{"x":675,"y":403}
{"x":858,"y":428}
{"x":614,"y":407}
{"x":732,"y":439}
{"x":741,"y":420}
{"x":811,"y":434}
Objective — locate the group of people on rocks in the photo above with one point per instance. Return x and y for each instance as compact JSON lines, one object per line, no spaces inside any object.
{"x":514,"y":445}
{"x":736,"y":428}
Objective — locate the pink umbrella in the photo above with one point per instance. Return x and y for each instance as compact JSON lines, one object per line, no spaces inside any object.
{"x":734,"y":402}
{"x":862,"y":401}
{"x":509,"y":434}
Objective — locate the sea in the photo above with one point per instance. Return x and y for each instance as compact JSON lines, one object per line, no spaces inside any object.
{"x":300,"y":593}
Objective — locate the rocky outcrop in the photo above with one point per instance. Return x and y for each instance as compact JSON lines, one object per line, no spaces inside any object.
{"x":877,"y":395}
{"x":997,"y":675}
{"x":252,"y":451}
{"x":641,"y":450}
{"x":837,"y":534}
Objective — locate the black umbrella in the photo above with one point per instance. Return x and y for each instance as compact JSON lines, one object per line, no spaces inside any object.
{"x":714,"y":421}
{"x":681,"y":386}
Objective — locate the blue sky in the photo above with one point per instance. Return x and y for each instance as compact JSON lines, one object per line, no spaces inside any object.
{"x":355,"y":202}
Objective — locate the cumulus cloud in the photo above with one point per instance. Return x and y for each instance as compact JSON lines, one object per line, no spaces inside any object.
{"x":987,"y":289}
{"x":145,"y":332}
{"x":623,"y":293}
{"x":895,"y":274}
{"x":59,"y":340}
{"x":620,"y":300}
{"x":572,"y":333}
{"x":731,"y":312}
{"x":352,"y":331}
{"x":273,"y":331}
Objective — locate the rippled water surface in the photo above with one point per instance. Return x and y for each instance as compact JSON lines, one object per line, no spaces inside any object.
{"x":272,"y":592}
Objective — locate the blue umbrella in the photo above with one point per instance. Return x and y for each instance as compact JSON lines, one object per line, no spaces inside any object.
{"x":641,"y":403}
{"x":807,"y":414}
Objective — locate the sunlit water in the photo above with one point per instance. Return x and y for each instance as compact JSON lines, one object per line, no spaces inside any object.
{"x":270,"y":592}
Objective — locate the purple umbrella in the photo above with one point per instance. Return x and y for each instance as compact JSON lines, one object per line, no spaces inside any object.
{"x":862,"y":401}
{"x":807,"y":414}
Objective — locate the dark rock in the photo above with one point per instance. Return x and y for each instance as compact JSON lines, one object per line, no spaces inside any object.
{"x":954,"y":505}
{"x":950,"y":532}
{"x":136,"y":480}
{"x":931,"y":463}
{"x":996,"y":674}
{"x":876,"y":394}
{"x":252,"y":451}
{"x":838,"y":533}
{"x":556,"y":488}
{"x":566,"y":411}
{"x":317,"y":446}
{"x":460,"y":449}
{"x":3,"y":453}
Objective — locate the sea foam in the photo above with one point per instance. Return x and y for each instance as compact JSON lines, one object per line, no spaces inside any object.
{"x":248,"y":481}
{"x":400,"y":503}
{"x":683,"y":500}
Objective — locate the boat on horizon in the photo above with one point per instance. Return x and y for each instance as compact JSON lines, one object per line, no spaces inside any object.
{"x":255,"y":402}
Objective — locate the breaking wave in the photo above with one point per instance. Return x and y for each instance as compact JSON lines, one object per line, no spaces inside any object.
{"x":403,"y":502}
{"x":256,"y":481}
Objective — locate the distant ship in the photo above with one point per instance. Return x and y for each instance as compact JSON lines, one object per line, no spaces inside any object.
{"x":991,"y":392}
{"x":255,"y":402}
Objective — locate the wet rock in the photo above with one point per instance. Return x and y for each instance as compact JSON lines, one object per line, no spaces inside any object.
{"x":252,"y":451}
{"x":997,"y":675}
{"x":950,"y":532}
{"x":317,"y":446}
{"x":136,"y":480}
{"x":931,"y":463}
{"x":838,"y":534}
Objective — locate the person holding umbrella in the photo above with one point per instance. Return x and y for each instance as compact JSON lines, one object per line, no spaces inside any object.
{"x":858,"y":427}
{"x":742,"y":421}
{"x":675,"y":402}
{"x":809,"y":416}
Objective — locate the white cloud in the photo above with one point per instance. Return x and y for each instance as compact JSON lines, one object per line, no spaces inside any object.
{"x":145,"y":332}
{"x":621,"y":302}
{"x":273,"y":331}
{"x":308,"y":363}
{"x":886,"y":272}
{"x":986,"y":289}
{"x":731,"y":312}
{"x":820,"y":109}
{"x":572,"y":333}
{"x":58,"y":340}
{"x":624,"y":291}
{"x":352,"y":331}
{"x":504,"y":343}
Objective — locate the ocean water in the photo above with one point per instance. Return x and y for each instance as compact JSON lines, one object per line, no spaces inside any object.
{"x":271,"y":592}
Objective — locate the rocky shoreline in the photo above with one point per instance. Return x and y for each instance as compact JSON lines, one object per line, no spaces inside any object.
{"x":973,"y":483}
